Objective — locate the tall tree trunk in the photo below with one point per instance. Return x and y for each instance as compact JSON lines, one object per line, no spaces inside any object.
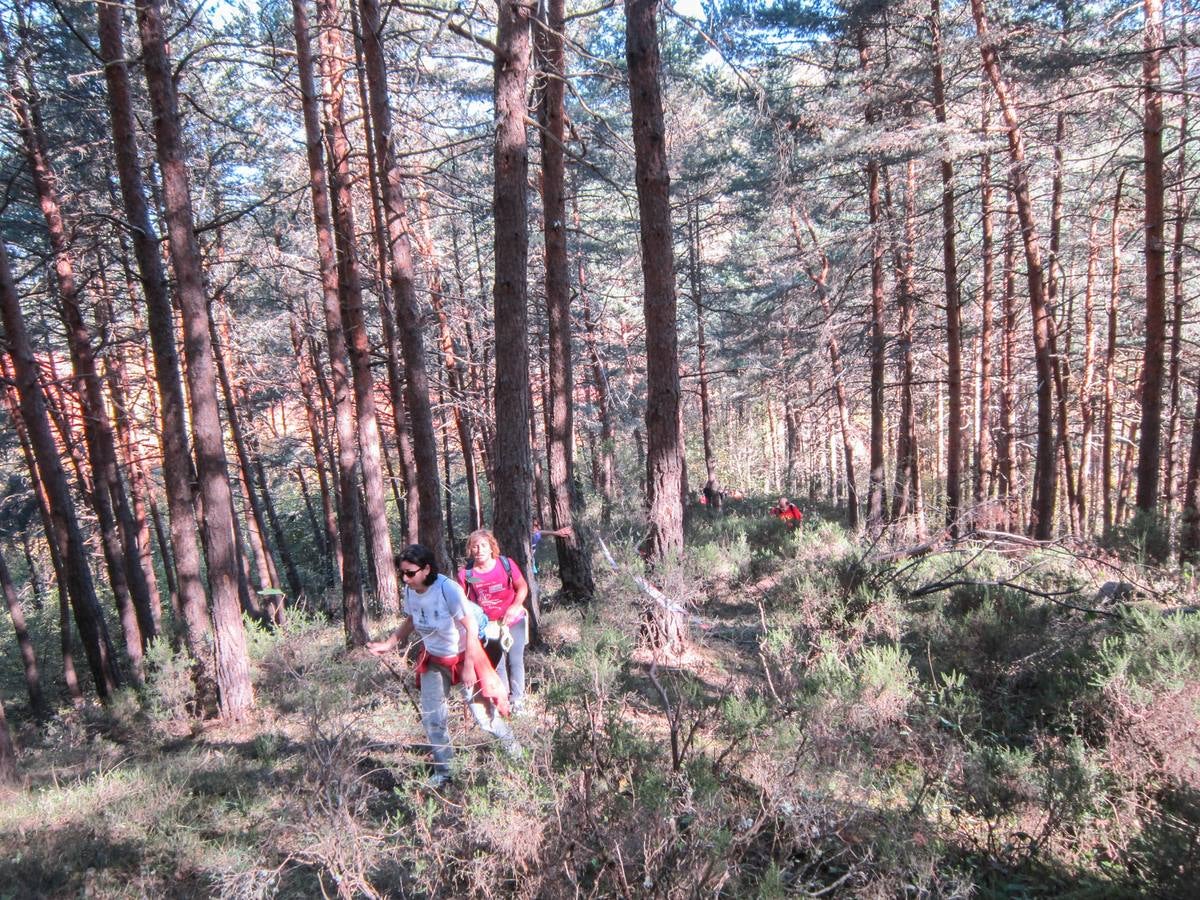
{"x":906,"y":499}
{"x":1110,"y":359}
{"x":464,"y":413}
{"x":712,"y":485}
{"x":33,"y":682}
{"x":77,"y":576}
{"x":108,"y":495}
{"x":1061,"y":361}
{"x":8,"y":752}
{"x":331,"y":547}
{"x":513,"y":475}
{"x":256,"y":524}
{"x":876,"y":493}
{"x":35,"y":574}
{"x":232,"y":663}
{"x":320,"y":538}
{"x":118,"y":392}
{"x":820,"y":280}
{"x":1087,"y":403}
{"x":49,"y":530}
{"x":1006,"y":438}
{"x":1045,"y":471}
{"x":407,"y":504}
{"x":1150,"y":444}
{"x":462,"y":421}
{"x":983,"y":436}
{"x":333,"y":70}
{"x":285,"y":553}
{"x":664,"y":457}
{"x":1189,"y":537}
{"x":574,"y":565}
{"x":408,"y":321}
{"x":347,"y":453}
{"x":177,"y":466}
{"x":605,"y":463}
{"x":1177,"y":294}
{"x":954,"y":449}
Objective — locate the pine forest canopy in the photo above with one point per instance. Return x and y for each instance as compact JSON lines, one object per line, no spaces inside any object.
{"x":288,"y":286}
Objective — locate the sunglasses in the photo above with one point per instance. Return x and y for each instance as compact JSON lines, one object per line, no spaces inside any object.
{"x":410,"y":573}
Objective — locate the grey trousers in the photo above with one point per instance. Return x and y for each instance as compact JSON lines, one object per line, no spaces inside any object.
{"x":435,"y":716}
{"x":512,"y":664}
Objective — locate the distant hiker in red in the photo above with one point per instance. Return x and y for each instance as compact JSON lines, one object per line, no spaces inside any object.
{"x":788,"y":511}
{"x":435,"y":608}
{"x":496,"y":584}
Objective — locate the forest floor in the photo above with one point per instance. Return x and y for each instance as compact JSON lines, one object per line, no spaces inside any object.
{"x":845,"y":721}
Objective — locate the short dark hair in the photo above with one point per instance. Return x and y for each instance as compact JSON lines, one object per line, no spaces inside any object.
{"x":420,"y":556}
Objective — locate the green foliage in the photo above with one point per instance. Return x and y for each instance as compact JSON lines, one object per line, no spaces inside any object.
{"x":1150,"y":652}
{"x":169,"y":686}
{"x":1146,"y":538}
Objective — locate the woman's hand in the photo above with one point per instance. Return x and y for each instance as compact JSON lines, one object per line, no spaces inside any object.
{"x":389,"y":643}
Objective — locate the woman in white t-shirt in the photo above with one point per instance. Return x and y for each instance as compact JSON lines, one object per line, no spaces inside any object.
{"x":434,"y":607}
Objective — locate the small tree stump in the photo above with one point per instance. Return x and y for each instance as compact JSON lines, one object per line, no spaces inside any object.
{"x":664,"y":626}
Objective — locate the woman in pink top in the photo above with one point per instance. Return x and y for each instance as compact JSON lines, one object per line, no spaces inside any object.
{"x":497,"y":585}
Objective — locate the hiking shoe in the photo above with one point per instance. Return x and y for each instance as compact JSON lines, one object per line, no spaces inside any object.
{"x":437,"y":781}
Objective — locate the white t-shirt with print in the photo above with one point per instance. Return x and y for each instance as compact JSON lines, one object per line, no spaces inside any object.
{"x":435,"y":616}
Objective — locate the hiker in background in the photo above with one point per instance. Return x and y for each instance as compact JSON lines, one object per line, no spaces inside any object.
{"x":535,"y":538}
{"x":788,"y":512}
{"x":495,"y":582}
{"x":434,"y":607}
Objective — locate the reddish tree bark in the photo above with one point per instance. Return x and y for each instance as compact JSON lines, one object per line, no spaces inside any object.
{"x":1045,"y":471}
{"x":77,"y":576}
{"x":256,"y":525}
{"x":664,"y":457}
{"x":8,"y":752}
{"x":1170,"y":475}
{"x":347,"y":454}
{"x":333,"y":70}
{"x":108,"y":496}
{"x":1061,"y":389}
{"x":1006,"y":437}
{"x":712,"y":485}
{"x":820,"y":280}
{"x":1110,"y":359}
{"x":983,"y":437}
{"x":906,"y":497}
{"x":330,"y":544}
{"x":232,"y":663}
{"x":954,"y":447}
{"x":408,"y":319}
{"x":408,"y":505}
{"x":1087,"y":403}
{"x":118,"y":392}
{"x":33,"y":682}
{"x":1150,"y":444}
{"x":876,"y":491}
{"x":512,"y":460}
{"x":574,"y":564}
{"x":12,"y":404}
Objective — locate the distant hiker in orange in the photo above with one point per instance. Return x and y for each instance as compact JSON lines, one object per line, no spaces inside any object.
{"x":789,"y":512}
{"x":448,"y":626}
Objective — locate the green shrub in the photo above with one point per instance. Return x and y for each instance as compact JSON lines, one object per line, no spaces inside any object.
{"x":169,"y":686}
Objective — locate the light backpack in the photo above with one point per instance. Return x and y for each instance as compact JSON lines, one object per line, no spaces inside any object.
{"x":474,"y":610}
